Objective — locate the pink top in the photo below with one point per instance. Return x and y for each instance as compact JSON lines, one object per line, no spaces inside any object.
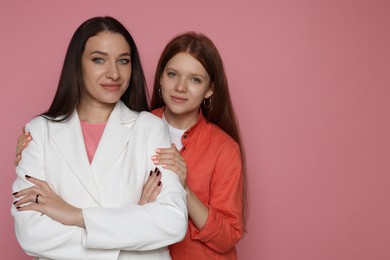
{"x":92,"y":134}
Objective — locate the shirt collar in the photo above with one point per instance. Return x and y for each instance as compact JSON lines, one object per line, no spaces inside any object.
{"x":200,"y":121}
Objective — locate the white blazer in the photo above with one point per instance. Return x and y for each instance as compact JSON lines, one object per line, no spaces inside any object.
{"x":107,"y":190}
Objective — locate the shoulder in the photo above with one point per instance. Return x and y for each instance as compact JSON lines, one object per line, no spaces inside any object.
{"x":38,"y":127}
{"x":38,"y":122}
{"x":150,"y":120}
{"x":219,"y":139}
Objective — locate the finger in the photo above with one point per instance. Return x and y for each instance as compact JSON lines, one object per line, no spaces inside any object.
{"x":25,"y":137}
{"x":21,"y":139}
{"x":25,"y":192}
{"x":156,"y":192}
{"x":153,"y":179}
{"x":30,"y":198}
{"x":174,"y":147}
{"x":166,"y":150}
{"x":17,"y":160}
{"x":25,"y":132}
{"x":31,"y":206}
{"x":168,"y":153}
{"x":39,"y":183}
{"x":168,"y":156}
{"x":177,"y":166}
{"x":171,"y":163}
{"x":23,"y":142}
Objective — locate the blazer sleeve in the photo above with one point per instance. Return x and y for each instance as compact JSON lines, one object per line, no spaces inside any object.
{"x":37,"y":234}
{"x":223,"y":228}
{"x":146,"y":227}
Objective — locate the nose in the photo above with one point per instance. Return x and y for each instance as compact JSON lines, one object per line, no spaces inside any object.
{"x":181,"y":85}
{"x":112,"y":72}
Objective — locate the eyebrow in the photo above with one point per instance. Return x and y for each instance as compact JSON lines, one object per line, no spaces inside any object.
{"x":105,"y":54}
{"x":192,"y":74}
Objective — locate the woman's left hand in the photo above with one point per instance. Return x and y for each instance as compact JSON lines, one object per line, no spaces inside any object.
{"x":171,"y":159}
{"x":41,"y":198}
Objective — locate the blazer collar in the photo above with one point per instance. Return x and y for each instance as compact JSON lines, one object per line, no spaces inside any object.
{"x":70,"y":142}
{"x":116,"y":135}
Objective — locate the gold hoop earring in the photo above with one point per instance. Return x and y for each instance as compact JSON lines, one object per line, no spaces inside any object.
{"x":207,"y":103}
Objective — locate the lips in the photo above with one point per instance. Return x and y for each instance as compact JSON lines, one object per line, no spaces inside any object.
{"x":111,"y":87}
{"x":178,"y":99}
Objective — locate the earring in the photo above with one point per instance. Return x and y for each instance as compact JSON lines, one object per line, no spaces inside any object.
{"x":159,"y":92}
{"x":207,"y":103}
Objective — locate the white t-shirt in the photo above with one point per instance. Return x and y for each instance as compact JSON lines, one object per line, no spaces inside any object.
{"x":175,"y":134}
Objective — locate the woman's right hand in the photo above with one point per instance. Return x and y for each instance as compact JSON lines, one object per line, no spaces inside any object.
{"x":171,"y":159}
{"x":151,"y":188}
{"x":41,"y":198}
{"x":22,"y":143}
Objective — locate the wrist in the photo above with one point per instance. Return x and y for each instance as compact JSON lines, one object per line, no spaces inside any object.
{"x":187,"y":189}
{"x":78,"y":218}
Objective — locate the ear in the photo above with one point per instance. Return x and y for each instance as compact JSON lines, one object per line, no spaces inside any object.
{"x":210,"y":91}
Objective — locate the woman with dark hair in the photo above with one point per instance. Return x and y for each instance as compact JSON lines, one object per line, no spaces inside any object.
{"x":79,"y":187}
{"x":191,"y":94}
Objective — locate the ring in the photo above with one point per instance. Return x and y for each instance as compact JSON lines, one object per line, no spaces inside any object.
{"x":36,"y":199}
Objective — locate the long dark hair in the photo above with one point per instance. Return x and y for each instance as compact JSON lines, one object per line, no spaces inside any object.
{"x":221,"y":111}
{"x":71,"y":84}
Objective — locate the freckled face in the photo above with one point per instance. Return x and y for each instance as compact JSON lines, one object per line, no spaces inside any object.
{"x":106,"y":68}
{"x":184,"y":85}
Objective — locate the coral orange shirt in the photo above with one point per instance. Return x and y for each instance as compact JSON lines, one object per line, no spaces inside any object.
{"x":214,"y":174}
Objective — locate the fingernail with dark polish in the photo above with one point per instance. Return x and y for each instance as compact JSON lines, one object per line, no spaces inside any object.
{"x":159,"y":183}
{"x":15,"y":202}
{"x":158,"y":172}
{"x":150,"y":174}
{"x":28,"y":176}
{"x":18,"y":207}
{"x":155,"y":169}
{"x":15,"y":193}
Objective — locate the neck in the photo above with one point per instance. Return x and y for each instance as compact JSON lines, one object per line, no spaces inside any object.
{"x":181,"y":121}
{"x":94,"y":113}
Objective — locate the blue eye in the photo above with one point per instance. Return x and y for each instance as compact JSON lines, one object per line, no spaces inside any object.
{"x":197,"y":80}
{"x":171,"y":74}
{"x":124,"y":61}
{"x":98,"y":60}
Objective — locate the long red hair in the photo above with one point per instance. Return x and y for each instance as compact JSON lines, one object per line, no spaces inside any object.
{"x":221,"y":112}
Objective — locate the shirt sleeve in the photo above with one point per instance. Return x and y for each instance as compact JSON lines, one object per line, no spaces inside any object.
{"x":223,"y":228}
{"x":37,"y":234}
{"x":146,"y":227}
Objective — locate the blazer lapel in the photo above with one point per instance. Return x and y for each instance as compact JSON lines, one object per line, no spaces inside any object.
{"x":70,"y":142}
{"x":116,"y":135}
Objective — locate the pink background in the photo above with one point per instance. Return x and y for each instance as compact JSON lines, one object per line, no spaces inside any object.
{"x":310,"y":83}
